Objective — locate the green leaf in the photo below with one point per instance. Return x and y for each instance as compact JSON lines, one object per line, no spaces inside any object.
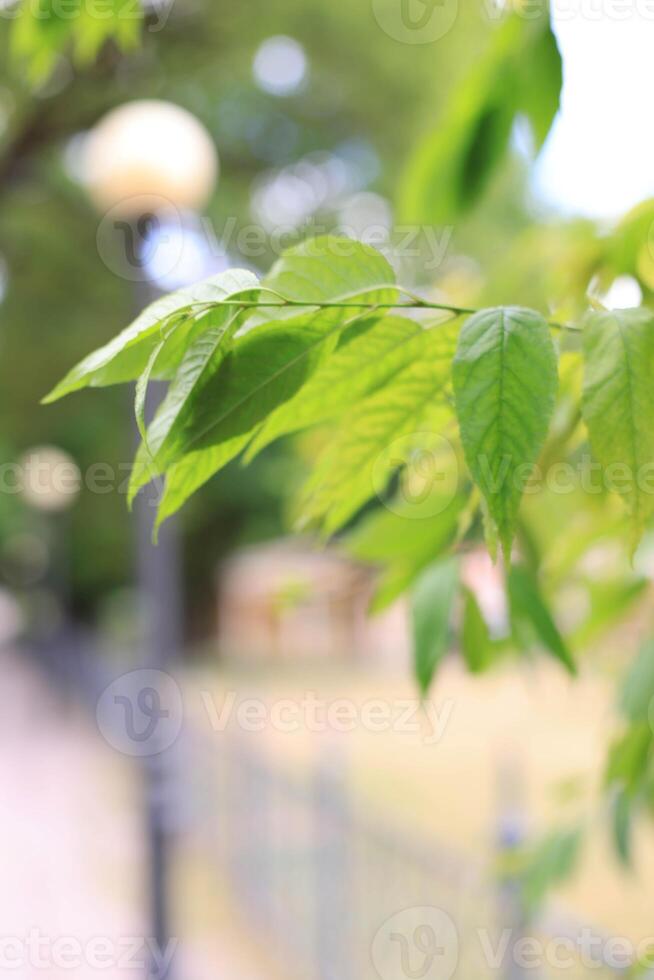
{"x":41,"y":33}
{"x":126,"y":356}
{"x":519,"y":72}
{"x":272,"y":363}
{"x":404,"y":541}
{"x":618,"y":405}
{"x":538,"y":90}
{"x":120,"y":20}
{"x":621,"y":822}
{"x":505,"y":382}
{"x":637,"y":696}
{"x":630,"y":758}
{"x":141,"y":388}
{"x":332,"y":269}
{"x":476,"y":644}
{"x":201,"y":361}
{"x":263,"y":369}
{"x":432,"y":600}
{"x":528,"y":609}
{"x":399,"y":422}
{"x":355,"y":369}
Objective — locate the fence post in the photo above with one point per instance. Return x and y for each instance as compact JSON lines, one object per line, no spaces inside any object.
{"x":333,"y":879}
{"x":511,"y":834}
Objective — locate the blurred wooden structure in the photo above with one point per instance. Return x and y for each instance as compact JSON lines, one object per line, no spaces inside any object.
{"x":292,"y":600}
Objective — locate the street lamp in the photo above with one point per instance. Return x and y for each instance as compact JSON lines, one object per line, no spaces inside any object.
{"x":146,"y":152}
{"x":143,"y":161}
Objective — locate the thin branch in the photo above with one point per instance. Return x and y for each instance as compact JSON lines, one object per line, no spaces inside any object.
{"x":414,"y":304}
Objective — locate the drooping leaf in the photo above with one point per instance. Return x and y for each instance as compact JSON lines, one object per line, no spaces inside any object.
{"x":529,"y":610}
{"x":637,"y":695}
{"x":400,"y":423}
{"x":476,"y":643}
{"x":141,"y":388}
{"x":618,"y":405}
{"x":621,"y":824}
{"x":519,"y":72}
{"x":125,"y":357}
{"x":505,"y":383}
{"x":452,"y":164}
{"x":538,"y":91}
{"x":405,"y":540}
{"x":202,"y":360}
{"x":432,"y":601}
{"x":630,"y":758}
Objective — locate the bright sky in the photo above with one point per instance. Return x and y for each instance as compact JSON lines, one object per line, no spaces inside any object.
{"x":599,"y":159}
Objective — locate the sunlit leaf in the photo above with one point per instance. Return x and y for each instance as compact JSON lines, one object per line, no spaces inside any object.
{"x":355,"y":369}
{"x":528,"y":608}
{"x":476,"y":643}
{"x":263,"y":369}
{"x":201,"y":361}
{"x":332,"y":269}
{"x":505,"y":383}
{"x":126,"y":356}
{"x":412,"y":407}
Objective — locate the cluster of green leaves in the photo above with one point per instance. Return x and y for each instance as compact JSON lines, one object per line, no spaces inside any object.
{"x":44,"y":30}
{"x":518,"y":75}
{"x":321,"y":340}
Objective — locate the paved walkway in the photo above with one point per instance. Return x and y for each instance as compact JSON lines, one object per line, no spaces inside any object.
{"x":72,"y":859}
{"x":69,"y":839}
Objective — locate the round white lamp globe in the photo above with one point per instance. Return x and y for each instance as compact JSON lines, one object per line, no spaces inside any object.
{"x":149,"y":155}
{"x":51,"y":480}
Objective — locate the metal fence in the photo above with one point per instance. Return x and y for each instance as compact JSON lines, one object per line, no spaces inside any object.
{"x":329,"y":892}
{"x":334,"y":895}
